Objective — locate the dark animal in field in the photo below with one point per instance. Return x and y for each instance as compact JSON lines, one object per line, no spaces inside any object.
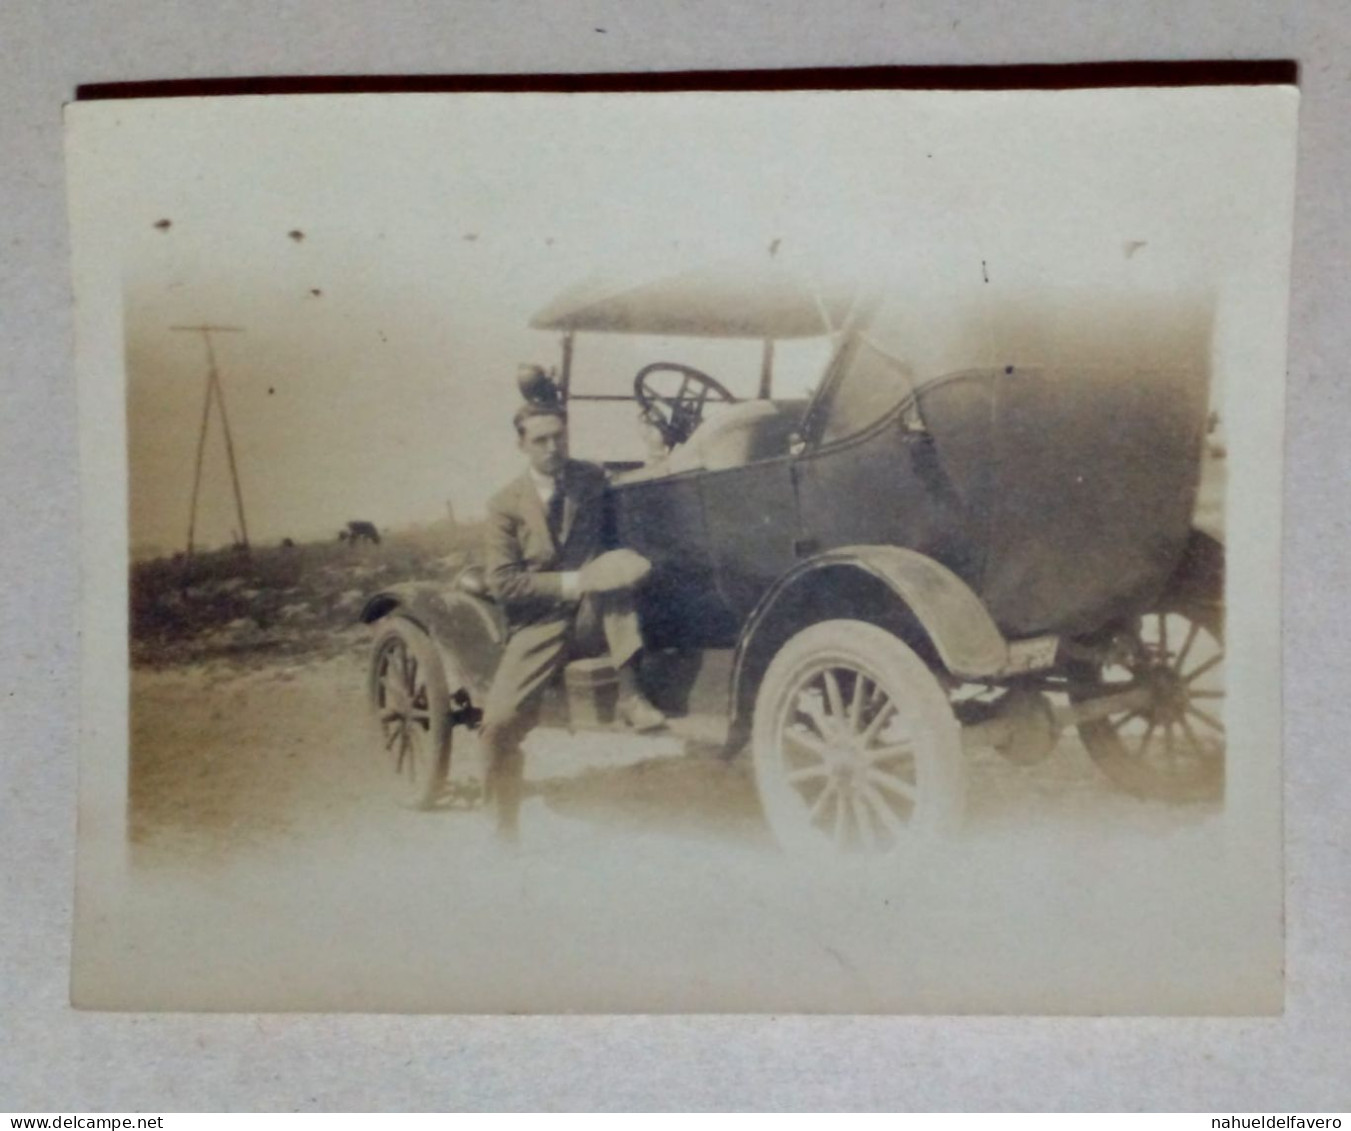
{"x":360,"y":532}
{"x":288,"y":544}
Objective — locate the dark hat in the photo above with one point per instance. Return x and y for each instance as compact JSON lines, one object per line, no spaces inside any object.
{"x":537,"y":387}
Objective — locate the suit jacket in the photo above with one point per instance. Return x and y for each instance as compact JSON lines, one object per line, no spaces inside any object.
{"x":523,"y":563}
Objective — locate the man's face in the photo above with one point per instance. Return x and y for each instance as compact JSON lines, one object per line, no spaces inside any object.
{"x":545,"y":444}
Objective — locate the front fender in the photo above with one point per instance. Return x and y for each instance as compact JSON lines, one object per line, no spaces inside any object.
{"x":866,"y":583}
{"x":418,"y":602}
{"x":466,"y":629}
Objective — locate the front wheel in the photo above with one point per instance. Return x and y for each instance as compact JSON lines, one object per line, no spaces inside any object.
{"x":855,"y":746}
{"x":411,"y":704}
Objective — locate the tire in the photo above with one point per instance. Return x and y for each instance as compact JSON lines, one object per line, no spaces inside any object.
{"x":411,"y":705}
{"x":1173,"y":750}
{"x":892,"y":778}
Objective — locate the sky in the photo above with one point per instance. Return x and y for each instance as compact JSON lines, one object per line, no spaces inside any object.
{"x":382,"y":256}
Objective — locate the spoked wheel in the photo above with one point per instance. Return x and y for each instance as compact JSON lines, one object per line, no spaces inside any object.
{"x":855,"y":747}
{"x":1172,"y":747}
{"x":411,"y":704}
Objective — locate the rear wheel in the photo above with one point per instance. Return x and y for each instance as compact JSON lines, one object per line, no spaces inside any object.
{"x":411,"y":704}
{"x":1172,"y":749}
{"x":855,"y":747}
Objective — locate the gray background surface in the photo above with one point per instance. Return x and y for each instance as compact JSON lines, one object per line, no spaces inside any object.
{"x":52,"y":1058}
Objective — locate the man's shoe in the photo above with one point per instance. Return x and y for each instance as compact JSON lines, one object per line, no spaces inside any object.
{"x":640,"y":714}
{"x":634,"y":707}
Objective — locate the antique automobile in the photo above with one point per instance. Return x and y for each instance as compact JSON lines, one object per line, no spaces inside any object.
{"x":976,"y":531}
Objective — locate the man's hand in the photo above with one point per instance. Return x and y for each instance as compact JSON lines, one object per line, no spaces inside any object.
{"x":613,"y":570}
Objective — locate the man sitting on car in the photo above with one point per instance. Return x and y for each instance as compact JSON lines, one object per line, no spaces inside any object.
{"x":564,"y":597}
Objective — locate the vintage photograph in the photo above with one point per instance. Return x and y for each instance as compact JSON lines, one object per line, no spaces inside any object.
{"x":796,"y":551}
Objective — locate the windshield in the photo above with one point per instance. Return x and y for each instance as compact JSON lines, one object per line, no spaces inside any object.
{"x":605,"y":364}
{"x":868,"y":384}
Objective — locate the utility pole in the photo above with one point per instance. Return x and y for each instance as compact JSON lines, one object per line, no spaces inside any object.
{"x":214,"y":391}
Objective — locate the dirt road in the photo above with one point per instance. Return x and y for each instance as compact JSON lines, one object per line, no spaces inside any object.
{"x":270,"y":869}
{"x":229,"y":757}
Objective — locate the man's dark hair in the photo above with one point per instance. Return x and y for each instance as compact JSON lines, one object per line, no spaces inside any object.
{"x":526,"y":411}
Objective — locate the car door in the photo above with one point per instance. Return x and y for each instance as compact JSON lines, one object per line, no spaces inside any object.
{"x":663,"y":519}
{"x":752,"y":520}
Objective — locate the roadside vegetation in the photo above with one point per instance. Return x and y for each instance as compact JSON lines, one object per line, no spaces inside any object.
{"x":278,"y":601}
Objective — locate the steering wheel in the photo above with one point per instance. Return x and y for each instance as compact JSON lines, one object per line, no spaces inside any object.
{"x":676,"y":414}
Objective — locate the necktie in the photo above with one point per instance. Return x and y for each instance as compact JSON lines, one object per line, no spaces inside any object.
{"x":554,"y":515}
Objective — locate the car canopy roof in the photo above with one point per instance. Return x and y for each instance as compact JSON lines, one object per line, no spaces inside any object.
{"x":768,"y":303}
